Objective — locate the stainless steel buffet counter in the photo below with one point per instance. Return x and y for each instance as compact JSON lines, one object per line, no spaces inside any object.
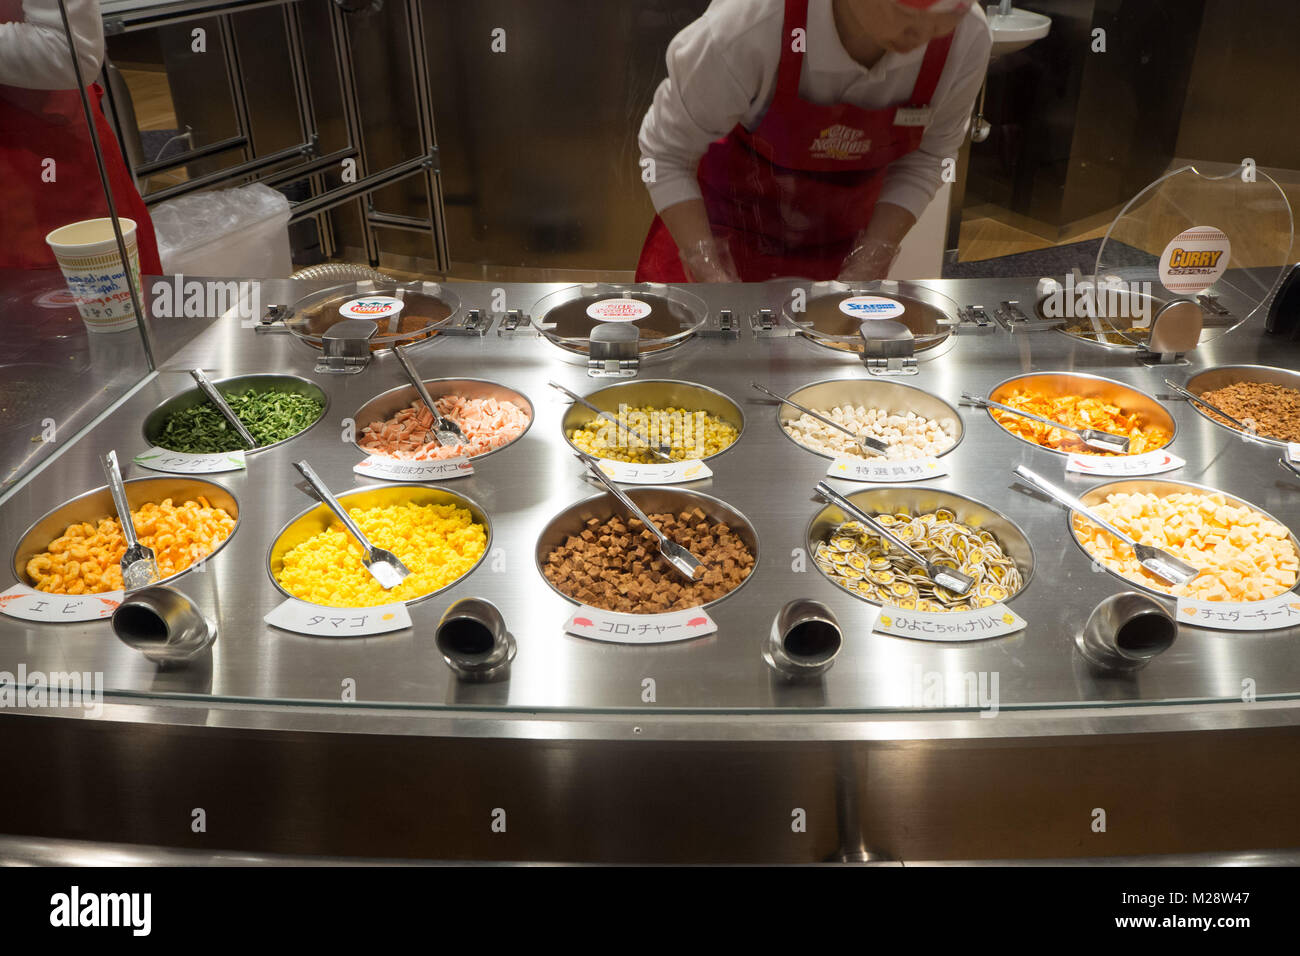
{"x":573,"y":726}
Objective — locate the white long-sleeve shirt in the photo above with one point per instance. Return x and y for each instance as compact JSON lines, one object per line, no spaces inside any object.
{"x":34,"y":50}
{"x":722,"y":70}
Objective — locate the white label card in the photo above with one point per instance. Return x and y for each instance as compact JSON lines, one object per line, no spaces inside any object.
{"x":1123,"y":466}
{"x":639,"y":628}
{"x":184,"y":463}
{"x":1293,"y":453}
{"x":304,"y":618}
{"x":393,"y":469}
{"x":912,"y":116}
{"x":992,"y":621}
{"x":1271,"y":615}
{"x":28,"y":604}
{"x":659,"y":473}
{"x":865,"y":469}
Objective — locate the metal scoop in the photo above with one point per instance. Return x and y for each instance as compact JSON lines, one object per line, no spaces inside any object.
{"x":139,"y":567}
{"x":219,"y":400}
{"x":1162,"y":564}
{"x":943,"y":576}
{"x":685,"y":563}
{"x":444,"y":429}
{"x":659,"y":451}
{"x":868,"y":444}
{"x":384,"y":566}
{"x":1102,"y":441}
{"x":1193,"y":397}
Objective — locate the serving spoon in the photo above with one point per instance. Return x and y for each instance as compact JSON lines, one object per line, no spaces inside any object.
{"x":945,"y":577}
{"x":445,"y":430}
{"x":868,"y":444}
{"x":139,"y":566}
{"x":1101,"y":441}
{"x":682,"y":561}
{"x":228,"y":413}
{"x":384,"y":566}
{"x":655,"y":449}
{"x":1162,"y":564}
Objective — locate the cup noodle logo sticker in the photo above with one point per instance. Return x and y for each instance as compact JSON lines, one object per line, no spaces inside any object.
{"x":374,"y":307}
{"x":871,"y":307}
{"x":618,"y":310}
{"x":1194,"y":260}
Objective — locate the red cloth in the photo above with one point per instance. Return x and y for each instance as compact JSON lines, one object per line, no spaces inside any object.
{"x":41,"y":125}
{"x":792,"y":195}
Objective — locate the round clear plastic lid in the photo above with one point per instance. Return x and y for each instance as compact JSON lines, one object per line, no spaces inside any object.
{"x":426,"y":307}
{"x":1221,"y":241}
{"x":831,"y":313}
{"x":665,"y":316}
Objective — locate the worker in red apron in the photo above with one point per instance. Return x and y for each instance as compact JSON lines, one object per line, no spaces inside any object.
{"x":816,"y":185}
{"x":48,"y":174}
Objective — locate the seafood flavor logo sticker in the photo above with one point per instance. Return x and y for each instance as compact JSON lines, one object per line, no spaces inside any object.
{"x":371,"y":307}
{"x":618,"y":310}
{"x":1195,"y":259}
{"x":871,"y":307}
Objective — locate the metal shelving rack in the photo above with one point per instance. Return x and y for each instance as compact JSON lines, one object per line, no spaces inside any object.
{"x":128,"y":16}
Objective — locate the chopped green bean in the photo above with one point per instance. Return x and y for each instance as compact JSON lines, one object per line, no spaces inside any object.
{"x":269,"y":416}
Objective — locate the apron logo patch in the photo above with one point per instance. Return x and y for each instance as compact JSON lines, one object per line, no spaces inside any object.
{"x":840,"y":142}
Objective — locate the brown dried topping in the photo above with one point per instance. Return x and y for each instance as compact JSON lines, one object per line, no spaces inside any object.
{"x":1274,"y":410}
{"x":616,"y":565}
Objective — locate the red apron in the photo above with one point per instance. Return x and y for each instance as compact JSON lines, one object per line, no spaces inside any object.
{"x":792,"y":195}
{"x":38,"y":125}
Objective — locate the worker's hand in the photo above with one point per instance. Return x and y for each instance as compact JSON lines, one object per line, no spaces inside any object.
{"x":709,"y":260}
{"x":869,"y":260}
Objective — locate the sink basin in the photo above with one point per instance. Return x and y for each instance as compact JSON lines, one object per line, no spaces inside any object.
{"x":1016,"y":30}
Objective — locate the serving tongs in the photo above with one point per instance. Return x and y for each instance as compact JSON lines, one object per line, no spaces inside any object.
{"x":1101,"y":441}
{"x":139,"y":566}
{"x":444,"y":429}
{"x":1162,"y":564}
{"x":219,"y":400}
{"x":946,"y":577}
{"x":868,"y":444}
{"x":685,"y":563}
{"x":384,"y":566}
{"x":658,"y":450}
{"x":1193,"y":397}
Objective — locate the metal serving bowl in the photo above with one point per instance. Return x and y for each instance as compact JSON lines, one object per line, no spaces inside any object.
{"x":1079,"y":384}
{"x":389,"y":403}
{"x":657,"y":393}
{"x":928,"y":314}
{"x":1223,"y":375}
{"x":562,"y":318}
{"x":154,"y":421}
{"x":894,"y":397}
{"x":892,"y":498}
{"x":429,"y":306}
{"x":652,"y":499}
{"x":317,"y":519}
{"x":1162,"y":487}
{"x":96,"y":505}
